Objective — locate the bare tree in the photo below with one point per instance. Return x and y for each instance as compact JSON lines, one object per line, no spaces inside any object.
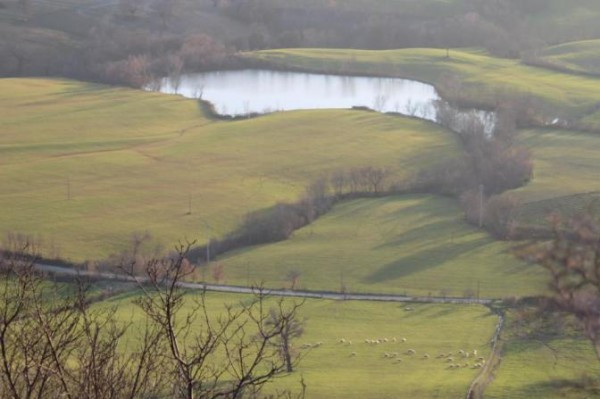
{"x":229,"y":355}
{"x":292,"y":327}
{"x":573,"y":260}
{"x":53,"y":345}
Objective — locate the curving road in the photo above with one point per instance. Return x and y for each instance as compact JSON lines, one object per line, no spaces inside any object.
{"x":67,"y":271}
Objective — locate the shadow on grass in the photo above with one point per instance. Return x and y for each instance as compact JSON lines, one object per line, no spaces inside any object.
{"x":423,"y":260}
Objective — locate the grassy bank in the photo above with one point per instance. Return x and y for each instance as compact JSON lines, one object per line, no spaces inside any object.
{"x":484,"y":78}
{"x":85,"y":166}
{"x":547,"y":365}
{"x":567,"y":166}
{"x":419,"y":245}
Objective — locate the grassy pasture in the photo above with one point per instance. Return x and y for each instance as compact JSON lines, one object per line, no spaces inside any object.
{"x":133,"y":161}
{"x":579,"y":57}
{"x":483,"y":76}
{"x":419,"y":245}
{"x":331,"y":372}
{"x":552,"y":367}
{"x":567,"y":166}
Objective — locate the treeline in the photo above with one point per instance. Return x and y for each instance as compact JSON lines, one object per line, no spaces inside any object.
{"x":491,"y":164}
{"x":135,"y":43}
{"x":280,"y":221}
{"x":502,"y":26}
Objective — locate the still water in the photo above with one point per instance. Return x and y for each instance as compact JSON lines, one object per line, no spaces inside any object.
{"x":249,"y":91}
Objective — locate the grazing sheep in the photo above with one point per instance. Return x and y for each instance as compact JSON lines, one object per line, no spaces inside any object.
{"x":466,"y":365}
{"x":353,"y":354}
{"x":367,"y":341}
{"x":480,"y":358}
{"x":342,"y":341}
{"x":440,"y":356}
{"x":394,"y":340}
{"x":408,"y":309}
{"x":386,"y":355}
{"x":395,"y":354}
{"x":426,"y":356}
{"x":317,"y":344}
{"x":450,"y":360}
{"x":348,"y":342}
{"x":385,"y":340}
{"x":411,"y":352}
{"x":403,"y":339}
{"x":398,"y":360}
{"x":306,"y":346}
{"x":474,"y":352}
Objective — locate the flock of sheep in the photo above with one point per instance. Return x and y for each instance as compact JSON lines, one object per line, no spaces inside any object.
{"x":458,"y":360}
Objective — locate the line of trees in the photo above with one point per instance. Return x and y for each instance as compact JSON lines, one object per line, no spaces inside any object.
{"x":53,"y":343}
{"x":491,"y":164}
{"x":278,"y":223}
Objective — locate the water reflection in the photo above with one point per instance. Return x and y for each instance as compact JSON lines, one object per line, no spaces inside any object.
{"x":242,"y":92}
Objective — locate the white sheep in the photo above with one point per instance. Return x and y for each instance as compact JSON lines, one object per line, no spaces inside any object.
{"x":394,"y":340}
{"x":385,"y":340}
{"x":426,"y":356}
{"x":474,"y":352}
{"x":411,"y":352}
{"x":450,"y":360}
{"x":403,"y":339}
{"x":342,"y":341}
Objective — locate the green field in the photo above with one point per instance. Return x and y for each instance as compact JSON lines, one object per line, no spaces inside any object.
{"x":578,"y":57}
{"x":419,"y":245}
{"x":566,"y":170}
{"x":483,"y":77}
{"x":553,"y":367}
{"x":331,"y":372}
{"x":85,"y":166}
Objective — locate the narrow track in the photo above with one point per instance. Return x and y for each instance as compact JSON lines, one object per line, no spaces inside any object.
{"x":66,"y":271}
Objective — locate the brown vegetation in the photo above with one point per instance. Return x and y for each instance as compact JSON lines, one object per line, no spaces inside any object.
{"x":54,"y":344}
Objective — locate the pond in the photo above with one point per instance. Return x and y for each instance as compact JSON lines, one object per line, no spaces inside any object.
{"x":250,"y":91}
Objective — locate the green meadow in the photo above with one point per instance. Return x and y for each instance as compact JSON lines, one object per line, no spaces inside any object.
{"x":566,"y":170}
{"x":331,"y":371}
{"x":559,"y":366}
{"x":414,"y":244}
{"x":483,"y":77}
{"x":85,"y":166}
{"x":578,"y":57}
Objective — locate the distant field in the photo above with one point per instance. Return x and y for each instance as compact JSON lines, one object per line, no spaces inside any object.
{"x":567,"y":167}
{"x":544,"y":368}
{"x":483,"y":76}
{"x":132,"y":161}
{"x":331,"y":372}
{"x":579,"y":57}
{"x":419,"y":245}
